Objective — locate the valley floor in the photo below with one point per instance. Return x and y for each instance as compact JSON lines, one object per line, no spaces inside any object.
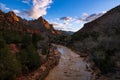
{"x":70,"y":67}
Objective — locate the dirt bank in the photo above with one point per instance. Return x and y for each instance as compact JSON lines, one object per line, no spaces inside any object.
{"x":42,"y":72}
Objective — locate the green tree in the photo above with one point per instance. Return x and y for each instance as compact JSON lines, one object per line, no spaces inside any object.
{"x":2,"y":43}
{"x":26,"y":40}
{"x":29,"y":58}
{"x":9,"y":66}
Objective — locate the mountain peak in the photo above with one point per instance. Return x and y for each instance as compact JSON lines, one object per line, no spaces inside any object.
{"x":13,"y":15}
{"x":40,"y":18}
{"x":44,"y":22}
{"x":1,"y":11}
{"x":32,"y":26}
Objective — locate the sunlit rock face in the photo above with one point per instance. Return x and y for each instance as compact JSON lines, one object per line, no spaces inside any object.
{"x":39,"y":25}
{"x":13,"y":16}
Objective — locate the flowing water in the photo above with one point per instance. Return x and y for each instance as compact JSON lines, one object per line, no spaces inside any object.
{"x":70,"y":67}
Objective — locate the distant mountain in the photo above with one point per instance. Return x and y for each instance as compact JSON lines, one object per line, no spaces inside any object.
{"x":101,"y":38}
{"x":65,"y":32}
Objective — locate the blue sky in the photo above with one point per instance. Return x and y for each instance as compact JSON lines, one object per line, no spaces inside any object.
{"x":69,"y":15}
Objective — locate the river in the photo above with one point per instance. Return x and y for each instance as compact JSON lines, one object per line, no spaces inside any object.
{"x":70,"y":67}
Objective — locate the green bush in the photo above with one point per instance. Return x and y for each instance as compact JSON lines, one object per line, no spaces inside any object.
{"x":12,"y":37}
{"x":104,"y":62}
{"x":101,"y":45}
{"x":102,"y":55}
{"x":26,"y":40}
{"x":44,"y":50}
{"x":9,"y":66}
{"x":36,"y":38}
{"x":2,"y":43}
{"x":29,"y":58}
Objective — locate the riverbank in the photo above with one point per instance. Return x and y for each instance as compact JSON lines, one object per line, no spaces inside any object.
{"x":95,"y":71}
{"x":70,"y":67}
{"x":42,"y":72}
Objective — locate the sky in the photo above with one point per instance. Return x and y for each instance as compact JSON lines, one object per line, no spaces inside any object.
{"x":68,"y":15}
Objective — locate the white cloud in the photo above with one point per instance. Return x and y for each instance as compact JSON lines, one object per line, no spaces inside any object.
{"x":3,"y":7}
{"x":26,"y":1}
{"x":93,"y":17}
{"x":66,"y":18}
{"x":74,"y":23}
{"x":103,"y":12}
{"x":61,"y":25}
{"x":65,"y":24}
{"x":85,"y":14}
{"x":16,"y":11}
{"x":39,"y":8}
{"x":56,"y":24}
{"x":88,"y":18}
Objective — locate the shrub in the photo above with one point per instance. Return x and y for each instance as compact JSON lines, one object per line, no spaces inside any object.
{"x":2,"y":43}
{"x":44,"y":50}
{"x":9,"y":66}
{"x":36,"y":38}
{"x":29,"y":58}
{"x":12,"y":37}
{"x":26,"y":40}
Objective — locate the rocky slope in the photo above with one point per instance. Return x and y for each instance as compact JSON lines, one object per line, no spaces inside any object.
{"x":9,"y":20}
{"x":43,"y":71}
{"x":24,"y":45}
{"x":101,"y":39}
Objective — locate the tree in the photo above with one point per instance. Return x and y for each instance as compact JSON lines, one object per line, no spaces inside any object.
{"x":29,"y":58}
{"x":9,"y":66}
